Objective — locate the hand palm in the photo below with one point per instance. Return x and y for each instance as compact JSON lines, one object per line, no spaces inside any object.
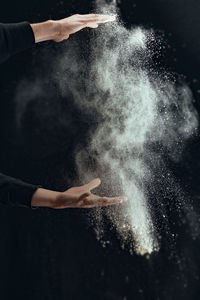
{"x":83,"y":198}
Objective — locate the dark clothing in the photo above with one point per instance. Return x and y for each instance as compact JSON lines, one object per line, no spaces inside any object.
{"x":15,"y":38}
{"x":14,"y":192}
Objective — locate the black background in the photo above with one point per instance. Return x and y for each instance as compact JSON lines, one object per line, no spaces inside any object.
{"x":47,"y":254}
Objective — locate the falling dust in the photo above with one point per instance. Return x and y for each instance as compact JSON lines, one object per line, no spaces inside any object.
{"x":140,"y":114}
{"x":138,"y":107}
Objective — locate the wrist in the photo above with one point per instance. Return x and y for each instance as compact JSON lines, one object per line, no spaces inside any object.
{"x":45,"y":31}
{"x":54,"y":29}
{"x":44,"y":198}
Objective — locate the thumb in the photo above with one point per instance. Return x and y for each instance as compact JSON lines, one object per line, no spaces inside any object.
{"x":92,"y":25}
{"x":93,"y":184}
{"x":60,"y":39}
{"x":84,"y":195}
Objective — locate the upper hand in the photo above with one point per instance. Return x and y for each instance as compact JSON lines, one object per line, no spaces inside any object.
{"x":77,"y":22}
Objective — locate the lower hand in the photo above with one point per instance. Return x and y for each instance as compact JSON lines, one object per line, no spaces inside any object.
{"x":75,"y":197}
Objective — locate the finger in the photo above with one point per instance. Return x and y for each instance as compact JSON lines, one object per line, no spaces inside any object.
{"x":109,"y":18}
{"x":99,"y":19}
{"x":92,"y":25}
{"x":93,"y":184}
{"x":85,"y":16}
{"x":98,"y":205}
{"x":102,"y":201}
{"x":96,"y":16}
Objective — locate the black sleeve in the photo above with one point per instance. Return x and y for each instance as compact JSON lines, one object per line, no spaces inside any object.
{"x":14,"y":192}
{"x":15,"y":38}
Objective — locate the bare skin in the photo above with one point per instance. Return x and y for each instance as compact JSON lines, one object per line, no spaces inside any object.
{"x":75,"y":197}
{"x":61,"y":30}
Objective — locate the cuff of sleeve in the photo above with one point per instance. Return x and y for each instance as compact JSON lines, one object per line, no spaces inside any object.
{"x":20,"y":37}
{"x":15,"y":192}
{"x":21,"y":196}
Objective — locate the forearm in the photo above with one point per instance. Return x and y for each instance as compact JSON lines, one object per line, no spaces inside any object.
{"x":45,"y":31}
{"x":44,"y":198}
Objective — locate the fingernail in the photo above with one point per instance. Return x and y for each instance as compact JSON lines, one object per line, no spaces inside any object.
{"x":110,"y":18}
{"x":113,"y":17}
{"x":124,"y":199}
